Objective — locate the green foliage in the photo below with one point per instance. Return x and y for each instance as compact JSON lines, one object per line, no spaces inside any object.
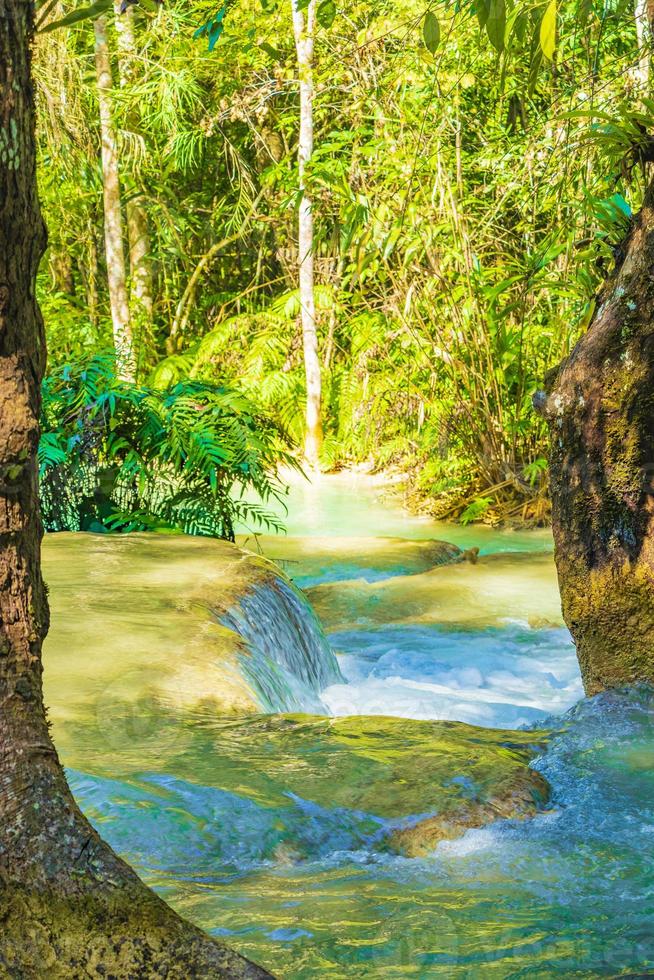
{"x":547,"y":32}
{"x":476,"y":510}
{"x":119,"y":456}
{"x":431,"y":31}
{"x":474,"y":173}
{"x":78,"y":14}
{"x":213,"y":28}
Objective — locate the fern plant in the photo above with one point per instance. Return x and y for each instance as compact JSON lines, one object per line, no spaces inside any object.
{"x":116,"y":456}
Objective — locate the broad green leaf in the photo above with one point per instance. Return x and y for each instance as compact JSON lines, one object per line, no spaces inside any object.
{"x":482,"y":9}
{"x":622,"y":205}
{"x":326,"y":13}
{"x":91,"y":12}
{"x":272,"y":51}
{"x":431,"y":31}
{"x":496,"y":24}
{"x":548,"y":31}
{"x":534,"y":68}
{"x":520,"y":25}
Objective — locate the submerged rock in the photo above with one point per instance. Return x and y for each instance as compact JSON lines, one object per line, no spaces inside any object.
{"x":285,"y":789}
{"x":520,"y":794}
{"x":494,"y":589}
{"x":311,"y":560}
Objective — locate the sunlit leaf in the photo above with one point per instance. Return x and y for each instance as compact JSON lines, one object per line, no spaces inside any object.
{"x":91,"y":12}
{"x":548,"y":31}
{"x":326,"y":13}
{"x":482,"y":10}
{"x":431,"y":31}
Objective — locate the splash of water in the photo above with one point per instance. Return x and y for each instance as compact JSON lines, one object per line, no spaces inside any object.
{"x":307,"y":891}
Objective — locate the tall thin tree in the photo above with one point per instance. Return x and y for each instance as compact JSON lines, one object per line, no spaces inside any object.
{"x":304,"y":22}
{"x":141,"y":278}
{"x":643,"y":14}
{"x":113,"y":219}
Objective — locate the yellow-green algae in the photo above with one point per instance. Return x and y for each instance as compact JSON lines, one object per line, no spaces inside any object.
{"x":477,"y":596}
{"x":135,"y":617}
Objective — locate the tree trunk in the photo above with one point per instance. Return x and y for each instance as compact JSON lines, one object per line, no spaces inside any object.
{"x":68,"y":905}
{"x":113,"y":220}
{"x":61,"y":270}
{"x":600,"y":410}
{"x":644,"y":17}
{"x":91,"y":275}
{"x":304,"y":29}
{"x":138,"y":231}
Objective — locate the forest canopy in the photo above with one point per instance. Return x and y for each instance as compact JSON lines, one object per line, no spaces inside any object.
{"x":474,"y":169}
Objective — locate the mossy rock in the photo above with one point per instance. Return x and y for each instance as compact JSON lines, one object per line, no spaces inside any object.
{"x":520,"y":795}
{"x":459,"y":594}
{"x":428,"y":780}
{"x":340,"y":558}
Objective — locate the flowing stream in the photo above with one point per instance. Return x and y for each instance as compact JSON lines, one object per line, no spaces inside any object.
{"x":269,"y":830}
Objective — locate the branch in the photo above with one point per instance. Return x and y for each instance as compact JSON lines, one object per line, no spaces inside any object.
{"x":187,"y":298}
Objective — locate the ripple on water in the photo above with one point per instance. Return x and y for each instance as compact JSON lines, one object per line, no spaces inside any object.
{"x":570,"y":892}
{"x":234,"y":836}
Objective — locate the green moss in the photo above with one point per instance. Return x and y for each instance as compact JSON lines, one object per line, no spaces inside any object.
{"x":126,"y":934}
{"x":611,"y":614}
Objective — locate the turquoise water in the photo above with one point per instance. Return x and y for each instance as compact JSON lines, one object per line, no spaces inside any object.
{"x":570,"y":893}
{"x":355,"y":505}
{"x":240,"y":828}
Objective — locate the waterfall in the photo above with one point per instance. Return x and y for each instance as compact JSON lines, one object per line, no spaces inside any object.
{"x":287,"y":659}
{"x":180,"y":624}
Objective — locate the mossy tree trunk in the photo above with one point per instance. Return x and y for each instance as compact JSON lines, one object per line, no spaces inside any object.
{"x":68,"y":905}
{"x":600,"y":409}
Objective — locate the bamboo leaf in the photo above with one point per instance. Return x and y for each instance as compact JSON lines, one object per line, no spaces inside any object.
{"x":548,"y":31}
{"x":496,"y":24}
{"x":91,"y":12}
{"x":431,"y":32}
{"x":326,"y":13}
{"x":482,"y":10}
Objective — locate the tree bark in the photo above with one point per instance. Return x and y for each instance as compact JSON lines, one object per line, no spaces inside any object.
{"x":61,"y":270}
{"x":138,"y":230}
{"x":304,"y":29}
{"x":600,"y":409}
{"x":644,"y":18}
{"x":68,"y":905}
{"x":113,"y":219}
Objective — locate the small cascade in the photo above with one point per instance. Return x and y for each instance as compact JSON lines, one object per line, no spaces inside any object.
{"x":287,"y":659}
{"x":177,"y":624}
